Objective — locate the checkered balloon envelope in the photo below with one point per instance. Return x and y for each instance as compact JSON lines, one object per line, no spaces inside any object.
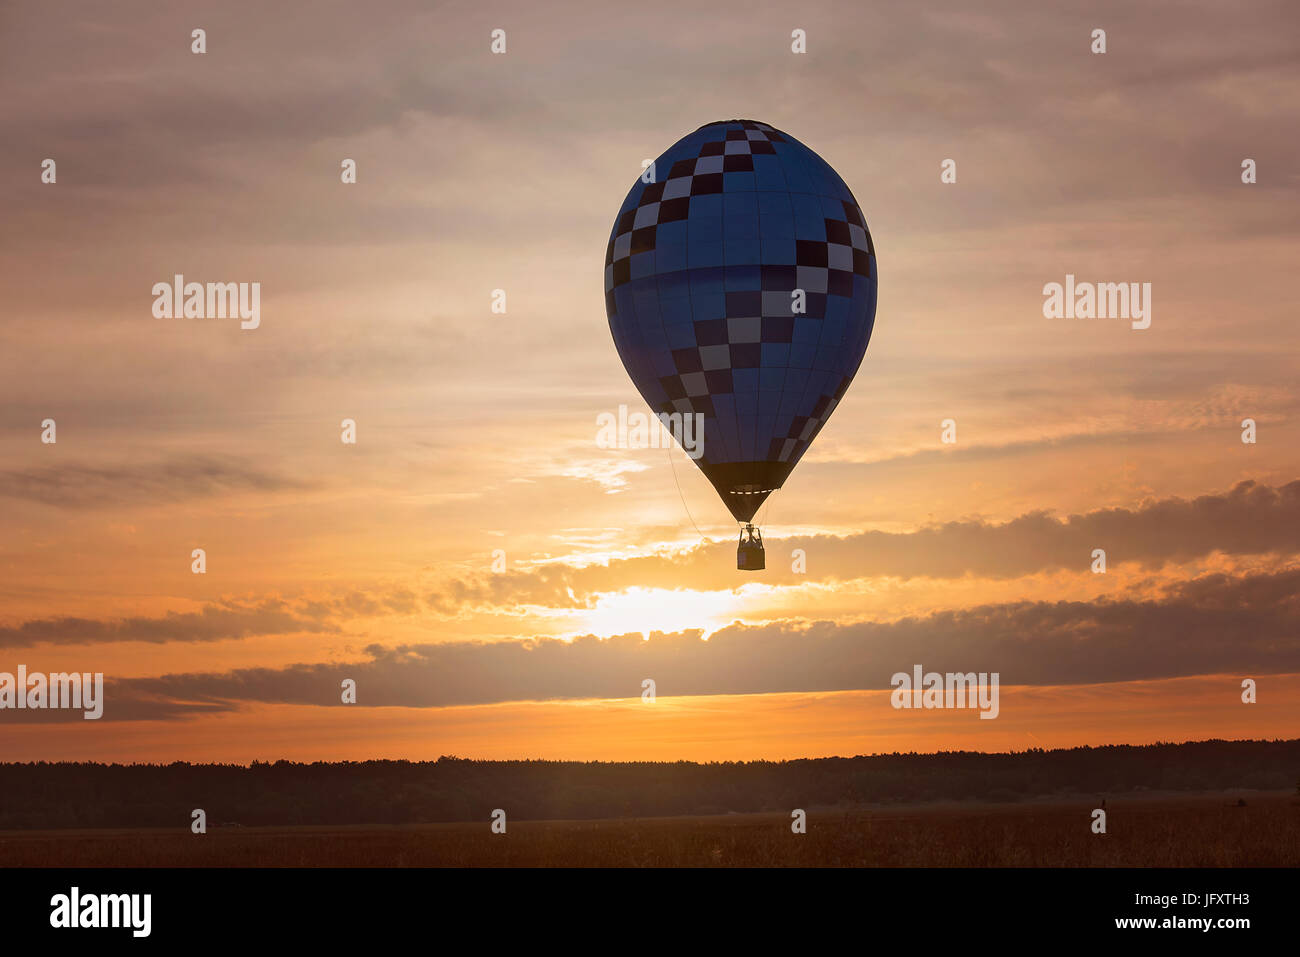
{"x":740,"y":283}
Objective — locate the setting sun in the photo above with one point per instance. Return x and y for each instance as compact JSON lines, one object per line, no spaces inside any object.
{"x":647,"y":610}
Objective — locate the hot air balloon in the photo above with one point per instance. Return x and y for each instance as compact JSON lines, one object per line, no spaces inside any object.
{"x":740,"y":283}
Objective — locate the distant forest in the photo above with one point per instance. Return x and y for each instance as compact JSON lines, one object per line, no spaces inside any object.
{"x":45,"y":795}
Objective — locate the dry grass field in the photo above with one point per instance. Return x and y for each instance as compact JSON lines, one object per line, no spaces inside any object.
{"x":1200,"y":830}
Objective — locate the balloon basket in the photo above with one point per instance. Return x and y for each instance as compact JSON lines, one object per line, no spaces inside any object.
{"x":749,"y":553}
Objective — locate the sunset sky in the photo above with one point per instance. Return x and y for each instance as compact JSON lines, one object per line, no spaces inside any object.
{"x":477,"y":431}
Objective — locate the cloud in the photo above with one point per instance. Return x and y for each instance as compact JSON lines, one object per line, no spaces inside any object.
{"x":215,"y":622}
{"x":219,"y":621}
{"x":1211,"y":625}
{"x":1251,"y":518}
{"x":80,"y":486}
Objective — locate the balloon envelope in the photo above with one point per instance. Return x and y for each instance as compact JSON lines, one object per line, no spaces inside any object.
{"x":741,"y":285}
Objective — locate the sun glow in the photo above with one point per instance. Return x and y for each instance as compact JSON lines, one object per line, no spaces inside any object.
{"x":659,"y":609}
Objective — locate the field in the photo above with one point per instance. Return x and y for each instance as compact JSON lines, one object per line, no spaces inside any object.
{"x":1199,"y":830}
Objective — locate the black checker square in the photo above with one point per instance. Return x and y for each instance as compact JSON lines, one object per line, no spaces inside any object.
{"x":738,"y":163}
{"x":747,"y":302}
{"x":652,"y":194}
{"x":719,"y":381}
{"x":643,"y":240}
{"x":683,"y":167}
{"x":778,"y":328}
{"x":746,"y":355}
{"x":674,"y":210}
{"x":762,"y":147}
{"x":703,"y":405}
{"x":712,"y":149}
{"x":706,"y":183}
{"x":810,"y":252}
{"x":778,"y":278}
{"x":672,"y":386}
{"x":839,"y":283}
{"x":837,"y":231}
{"x":709,"y":332}
{"x":687,"y":360}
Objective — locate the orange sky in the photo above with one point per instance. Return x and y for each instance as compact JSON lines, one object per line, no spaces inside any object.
{"x":701,"y":728}
{"x":477,"y":431}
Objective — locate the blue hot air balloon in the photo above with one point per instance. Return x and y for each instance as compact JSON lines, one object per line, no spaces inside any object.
{"x":740,"y":283}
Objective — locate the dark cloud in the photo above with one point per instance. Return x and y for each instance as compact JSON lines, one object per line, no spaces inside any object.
{"x":1211,"y":625}
{"x":126,"y":706}
{"x":1249,"y":519}
{"x":215,"y":622}
{"x":80,"y":486}
{"x":219,"y":621}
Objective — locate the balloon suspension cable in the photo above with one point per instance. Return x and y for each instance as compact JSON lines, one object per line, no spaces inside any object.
{"x":680,"y":495}
{"x":764,"y":514}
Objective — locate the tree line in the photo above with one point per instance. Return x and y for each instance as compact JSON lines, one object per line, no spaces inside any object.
{"x":90,"y":794}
